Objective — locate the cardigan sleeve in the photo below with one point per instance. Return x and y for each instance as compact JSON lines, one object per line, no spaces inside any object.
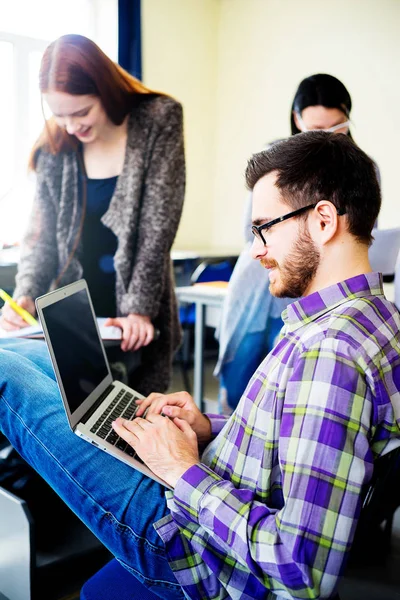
{"x":161,"y":208}
{"x":39,"y":260}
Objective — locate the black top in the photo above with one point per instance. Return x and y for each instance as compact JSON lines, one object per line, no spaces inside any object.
{"x":98,"y":245}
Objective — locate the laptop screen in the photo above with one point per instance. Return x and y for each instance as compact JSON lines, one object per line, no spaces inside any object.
{"x":76,"y":346}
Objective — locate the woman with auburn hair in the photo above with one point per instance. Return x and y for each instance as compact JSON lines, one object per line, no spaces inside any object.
{"x":110,"y":173}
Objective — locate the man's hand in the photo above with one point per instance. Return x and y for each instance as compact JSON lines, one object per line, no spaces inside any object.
{"x":10,"y":320}
{"x":168,"y":448}
{"x":137,"y":331}
{"x":179,"y":405}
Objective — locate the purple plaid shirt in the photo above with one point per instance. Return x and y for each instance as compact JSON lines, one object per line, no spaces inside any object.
{"x":272,"y":508}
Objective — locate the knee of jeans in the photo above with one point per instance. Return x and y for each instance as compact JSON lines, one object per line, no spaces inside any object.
{"x":229,"y":394}
{"x":11,"y":370}
{"x":274,"y":328}
{"x":10,"y":360}
{"x":223,"y":406}
{"x":16,"y":370}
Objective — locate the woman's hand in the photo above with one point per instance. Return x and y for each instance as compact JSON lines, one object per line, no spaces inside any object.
{"x":179,"y":405}
{"x":10,"y":320}
{"x":137,"y":331}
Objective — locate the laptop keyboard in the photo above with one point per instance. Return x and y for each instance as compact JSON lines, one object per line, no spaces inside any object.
{"x":124,"y":405}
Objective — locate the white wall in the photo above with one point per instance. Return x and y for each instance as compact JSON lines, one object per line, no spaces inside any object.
{"x":235,"y":65}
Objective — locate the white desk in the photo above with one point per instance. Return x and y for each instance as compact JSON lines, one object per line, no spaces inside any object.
{"x":208,"y":301}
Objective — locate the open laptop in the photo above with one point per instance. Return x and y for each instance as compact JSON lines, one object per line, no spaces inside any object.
{"x":92,"y":399}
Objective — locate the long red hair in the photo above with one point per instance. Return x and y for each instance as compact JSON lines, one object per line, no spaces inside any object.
{"x":75,"y":65}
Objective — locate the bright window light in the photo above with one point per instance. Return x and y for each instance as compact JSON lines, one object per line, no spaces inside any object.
{"x":7,"y":102}
{"x":47,"y":19}
{"x":26,"y":28}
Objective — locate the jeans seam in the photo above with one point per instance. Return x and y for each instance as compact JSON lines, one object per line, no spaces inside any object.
{"x":127,"y":529}
{"x":106,"y":513}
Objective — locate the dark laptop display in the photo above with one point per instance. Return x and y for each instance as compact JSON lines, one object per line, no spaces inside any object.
{"x":76,"y":347}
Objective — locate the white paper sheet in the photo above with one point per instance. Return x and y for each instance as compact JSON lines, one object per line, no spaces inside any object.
{"x":36,"y":331}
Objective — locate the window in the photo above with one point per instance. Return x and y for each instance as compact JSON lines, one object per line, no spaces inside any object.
{"x":6,"y":117}
{"x":26,"y":28}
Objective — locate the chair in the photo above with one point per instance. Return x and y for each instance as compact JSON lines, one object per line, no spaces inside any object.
{"x":29,"y":573}
{"x":208,"y":270}
{"x":113,"y":582}
{"x":397,"y":284}
{"x":16,"y":534}
{"x":380,"y":502}
{"x":384,"y":251}
{"x":381,"y":499}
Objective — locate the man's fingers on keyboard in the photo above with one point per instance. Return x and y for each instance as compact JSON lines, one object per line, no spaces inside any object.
{"x":125,"y":430}
{"x":147,"y":402}
{"x":172,"y":411}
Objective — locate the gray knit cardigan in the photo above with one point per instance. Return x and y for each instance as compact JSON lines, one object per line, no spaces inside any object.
{"x":144,"y":214}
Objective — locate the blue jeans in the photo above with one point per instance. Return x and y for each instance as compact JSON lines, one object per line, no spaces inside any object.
{"x":236,"y":374}
{"x":115,"y":501}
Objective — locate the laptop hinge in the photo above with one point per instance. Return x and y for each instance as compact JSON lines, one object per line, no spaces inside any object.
{"x":96,"y":405}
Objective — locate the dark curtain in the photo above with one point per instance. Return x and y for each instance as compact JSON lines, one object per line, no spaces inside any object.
{"x":129,"y":37}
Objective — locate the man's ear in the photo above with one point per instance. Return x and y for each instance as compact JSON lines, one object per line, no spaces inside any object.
{"x":325,"y":221}
{"x":296,"y":120}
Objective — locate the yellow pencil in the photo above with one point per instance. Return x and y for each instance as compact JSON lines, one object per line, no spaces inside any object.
{"x":18,"y":309}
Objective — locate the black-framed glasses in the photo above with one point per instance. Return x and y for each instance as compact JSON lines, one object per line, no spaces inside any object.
{"x":258,"y":229}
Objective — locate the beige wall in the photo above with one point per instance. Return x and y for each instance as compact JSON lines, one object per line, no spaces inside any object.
{"x":235,"y":65}
{"x":180,"y":58}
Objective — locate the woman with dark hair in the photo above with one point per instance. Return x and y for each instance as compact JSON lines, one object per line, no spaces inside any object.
{"x":110,"y":173}
{"x":251,"y":319}
{"x":321,"y":102}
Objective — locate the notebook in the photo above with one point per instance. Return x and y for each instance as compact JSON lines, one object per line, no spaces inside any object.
{"x":92,"y":399}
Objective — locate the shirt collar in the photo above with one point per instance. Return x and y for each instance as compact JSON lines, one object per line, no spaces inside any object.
{"x":311,"y":307}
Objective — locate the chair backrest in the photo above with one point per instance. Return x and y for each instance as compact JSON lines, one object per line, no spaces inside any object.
{"x":383,"y":494}
{"x":212,"y":270}
{"x":381,"y":499}
{"x":397,"y":284}
{"x":208,"y":270}
{"x":384,"y":250}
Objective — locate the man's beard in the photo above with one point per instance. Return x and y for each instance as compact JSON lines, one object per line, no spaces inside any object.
{"x":298,"y":269}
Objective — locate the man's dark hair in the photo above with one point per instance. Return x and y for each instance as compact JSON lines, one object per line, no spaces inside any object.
{"x":316,"y":166}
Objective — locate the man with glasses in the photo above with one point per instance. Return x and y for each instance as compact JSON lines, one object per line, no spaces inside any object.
{"x":264,"y":503}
